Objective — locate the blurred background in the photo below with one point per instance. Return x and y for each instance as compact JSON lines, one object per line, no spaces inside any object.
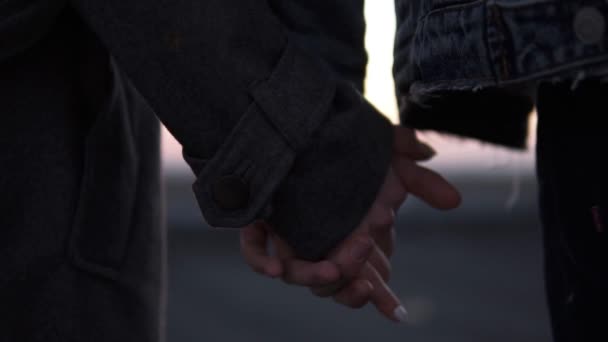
{"x":473,"y":274}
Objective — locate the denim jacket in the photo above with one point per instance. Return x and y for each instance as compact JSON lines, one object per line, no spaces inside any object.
{"x":466,"y":66}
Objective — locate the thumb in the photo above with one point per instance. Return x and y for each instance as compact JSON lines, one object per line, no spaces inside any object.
{"x":426,"y":184}
{"x":407,"y":144}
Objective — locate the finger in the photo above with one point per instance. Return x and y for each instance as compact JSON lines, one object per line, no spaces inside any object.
{"x":427,"y":185}
{"x":355,"y":295}
{"x":253,"y":240}
{"x":392,"y":193}
{"x":406,"y":143}
{"x":331,"y":289}
{"x":380,"y":262}
{"x":380,"y":215}
{"x":384,"y":238}
{"x":281,"y":248}
{"x":352,"y":255}
{"x":383,"y":297}
{"x":350,"y":258}
{"x":301,"y":272}
{"x":382,"y":223}
{"x":304,"y":273}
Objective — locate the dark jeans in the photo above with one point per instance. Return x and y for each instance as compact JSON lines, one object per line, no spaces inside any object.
{"x":572,"y":161}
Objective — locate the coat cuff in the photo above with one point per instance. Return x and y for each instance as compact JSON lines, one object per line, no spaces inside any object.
{"x":309,"y":155}
{"x":335,"y":180}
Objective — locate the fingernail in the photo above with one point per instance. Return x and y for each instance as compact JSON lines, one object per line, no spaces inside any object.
{"x":427,"y":150}
{"x":400,"y":314}
{"x":361,"y":250}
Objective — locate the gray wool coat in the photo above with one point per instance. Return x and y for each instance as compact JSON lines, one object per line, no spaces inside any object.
{"x":264,"y":96}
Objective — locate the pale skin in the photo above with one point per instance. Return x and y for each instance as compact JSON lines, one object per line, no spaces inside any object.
{"x":357,"y":271}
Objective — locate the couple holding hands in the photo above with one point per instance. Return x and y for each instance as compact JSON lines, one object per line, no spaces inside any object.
{"x":265,"y":98}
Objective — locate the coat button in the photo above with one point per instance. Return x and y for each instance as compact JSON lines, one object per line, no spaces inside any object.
{"x":589,"y":25}
{"x":230,"y":193}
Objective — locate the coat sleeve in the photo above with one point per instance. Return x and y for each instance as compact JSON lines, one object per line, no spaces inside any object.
{"x":333,"y":30}
{"x":269,"y":131}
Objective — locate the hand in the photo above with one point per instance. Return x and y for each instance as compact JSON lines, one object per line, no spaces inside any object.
{"x":357,"y":271}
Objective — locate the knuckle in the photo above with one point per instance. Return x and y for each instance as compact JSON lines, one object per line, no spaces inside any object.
{"x":383,"y":218}
{"x":329,"y":290}
{"x":289,"y":277}
{"x":248,"y":236}
{"x":319,"y":292}
{"x":258,"y":269}
{"x":388,"y":217}
{"x":288,"y":280}
{"x":359,"y":304}
{"x":316,"y":278}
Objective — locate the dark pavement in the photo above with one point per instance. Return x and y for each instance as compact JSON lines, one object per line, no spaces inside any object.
{"x":474,"y":274}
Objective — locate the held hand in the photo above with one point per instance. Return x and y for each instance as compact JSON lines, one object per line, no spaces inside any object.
{"x":353,"y":275}
{"x":357,"y":271}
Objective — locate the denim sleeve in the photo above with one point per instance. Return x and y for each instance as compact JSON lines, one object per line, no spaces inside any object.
{"x":443,"y":77}
{"x":248,"y":103}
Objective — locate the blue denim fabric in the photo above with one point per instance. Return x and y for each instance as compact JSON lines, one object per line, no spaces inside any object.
{"x":462,"y":45}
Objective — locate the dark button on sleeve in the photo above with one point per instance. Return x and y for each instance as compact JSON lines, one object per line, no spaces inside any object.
{"x":589,"y":25}
{"x":230,"y":193}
